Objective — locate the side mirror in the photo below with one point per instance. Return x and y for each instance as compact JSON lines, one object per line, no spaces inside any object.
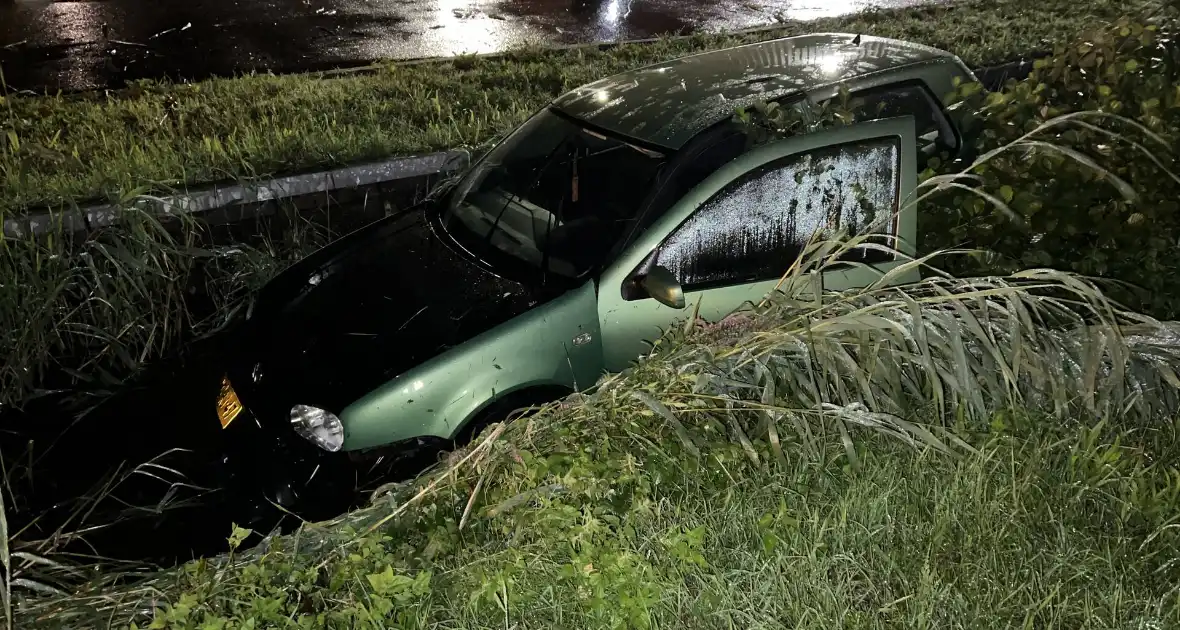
{"x":663,"y":287}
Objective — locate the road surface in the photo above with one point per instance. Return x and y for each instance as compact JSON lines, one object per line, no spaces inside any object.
{"x":47,"y":45}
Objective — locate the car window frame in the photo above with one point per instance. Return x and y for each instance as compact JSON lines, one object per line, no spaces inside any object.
{"x":821,"y":95}
{"x":767,"y":168}
{"x":645,"y":218}
{"x":502,"y":263}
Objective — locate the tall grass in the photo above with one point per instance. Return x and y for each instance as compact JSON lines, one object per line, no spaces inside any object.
{"x":937,"y":435}
{"x":113,"y":299}
{"x":40,"y":561}
{"x":90,"y":312}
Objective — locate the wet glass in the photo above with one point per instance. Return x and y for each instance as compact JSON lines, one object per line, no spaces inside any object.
{"x":553,"y":194}
{"x":756,"y":227}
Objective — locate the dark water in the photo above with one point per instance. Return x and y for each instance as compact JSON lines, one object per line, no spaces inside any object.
{"x":139,"y":472}
{"x":132,"y":478}
{"x":72,"y":45}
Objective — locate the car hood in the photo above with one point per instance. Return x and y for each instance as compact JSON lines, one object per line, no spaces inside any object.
{"x":362,"y":310}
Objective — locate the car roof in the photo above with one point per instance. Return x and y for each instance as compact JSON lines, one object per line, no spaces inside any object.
{"x":669,"y":103}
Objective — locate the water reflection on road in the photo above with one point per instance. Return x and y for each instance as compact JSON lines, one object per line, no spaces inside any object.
{"x":97,"y":43}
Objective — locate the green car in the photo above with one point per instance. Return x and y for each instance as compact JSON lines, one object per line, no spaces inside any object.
{"x":622,"y":207}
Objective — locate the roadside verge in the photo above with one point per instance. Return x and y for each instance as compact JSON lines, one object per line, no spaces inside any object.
{"x":247,"y":199}
{"x":73,"y":151}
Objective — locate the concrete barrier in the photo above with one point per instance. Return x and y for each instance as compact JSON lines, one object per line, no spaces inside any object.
{"x":247,"y":195}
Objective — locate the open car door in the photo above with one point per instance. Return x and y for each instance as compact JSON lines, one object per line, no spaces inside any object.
{"x":730,"y":240}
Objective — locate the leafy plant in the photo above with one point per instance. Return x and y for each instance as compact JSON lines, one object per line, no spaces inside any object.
{"x":1098,"y":194}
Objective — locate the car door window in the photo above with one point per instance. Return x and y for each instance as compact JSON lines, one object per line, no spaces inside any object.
{"x":754,"y":228}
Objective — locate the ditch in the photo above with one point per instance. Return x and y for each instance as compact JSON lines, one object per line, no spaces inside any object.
{"x":129,"y":472}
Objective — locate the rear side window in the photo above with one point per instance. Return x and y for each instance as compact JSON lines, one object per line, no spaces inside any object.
{"x":754,"y":228}
{"x":935,"y":132}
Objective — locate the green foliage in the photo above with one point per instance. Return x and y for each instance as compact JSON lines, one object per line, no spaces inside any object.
{"x":1045,"y":529}
{"x":92,"y":311}
{"x":107,"y":300}
{"x":770,"y":120}
{"x":238,"y":536}
{"x":1092,"y":186}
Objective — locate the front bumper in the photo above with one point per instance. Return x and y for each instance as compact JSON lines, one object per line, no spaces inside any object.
{"x":270,"y":471}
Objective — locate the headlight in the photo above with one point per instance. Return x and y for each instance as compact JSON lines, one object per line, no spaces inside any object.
{"x":318,"y":427}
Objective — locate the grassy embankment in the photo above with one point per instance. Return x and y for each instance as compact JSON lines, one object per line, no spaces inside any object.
{"x":736,"y":479}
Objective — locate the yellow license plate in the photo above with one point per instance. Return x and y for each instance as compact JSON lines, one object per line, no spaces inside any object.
{"x":228,"y":405}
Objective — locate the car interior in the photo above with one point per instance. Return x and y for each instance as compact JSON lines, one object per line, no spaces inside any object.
{"x":566,"y":209}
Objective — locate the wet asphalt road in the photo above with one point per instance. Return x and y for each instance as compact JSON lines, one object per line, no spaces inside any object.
{"x":47,"y":45}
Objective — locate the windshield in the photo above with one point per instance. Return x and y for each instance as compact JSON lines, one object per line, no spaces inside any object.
{"x":552,"y":194}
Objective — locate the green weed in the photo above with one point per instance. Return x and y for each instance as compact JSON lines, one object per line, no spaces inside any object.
{"x":950,"y":452}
